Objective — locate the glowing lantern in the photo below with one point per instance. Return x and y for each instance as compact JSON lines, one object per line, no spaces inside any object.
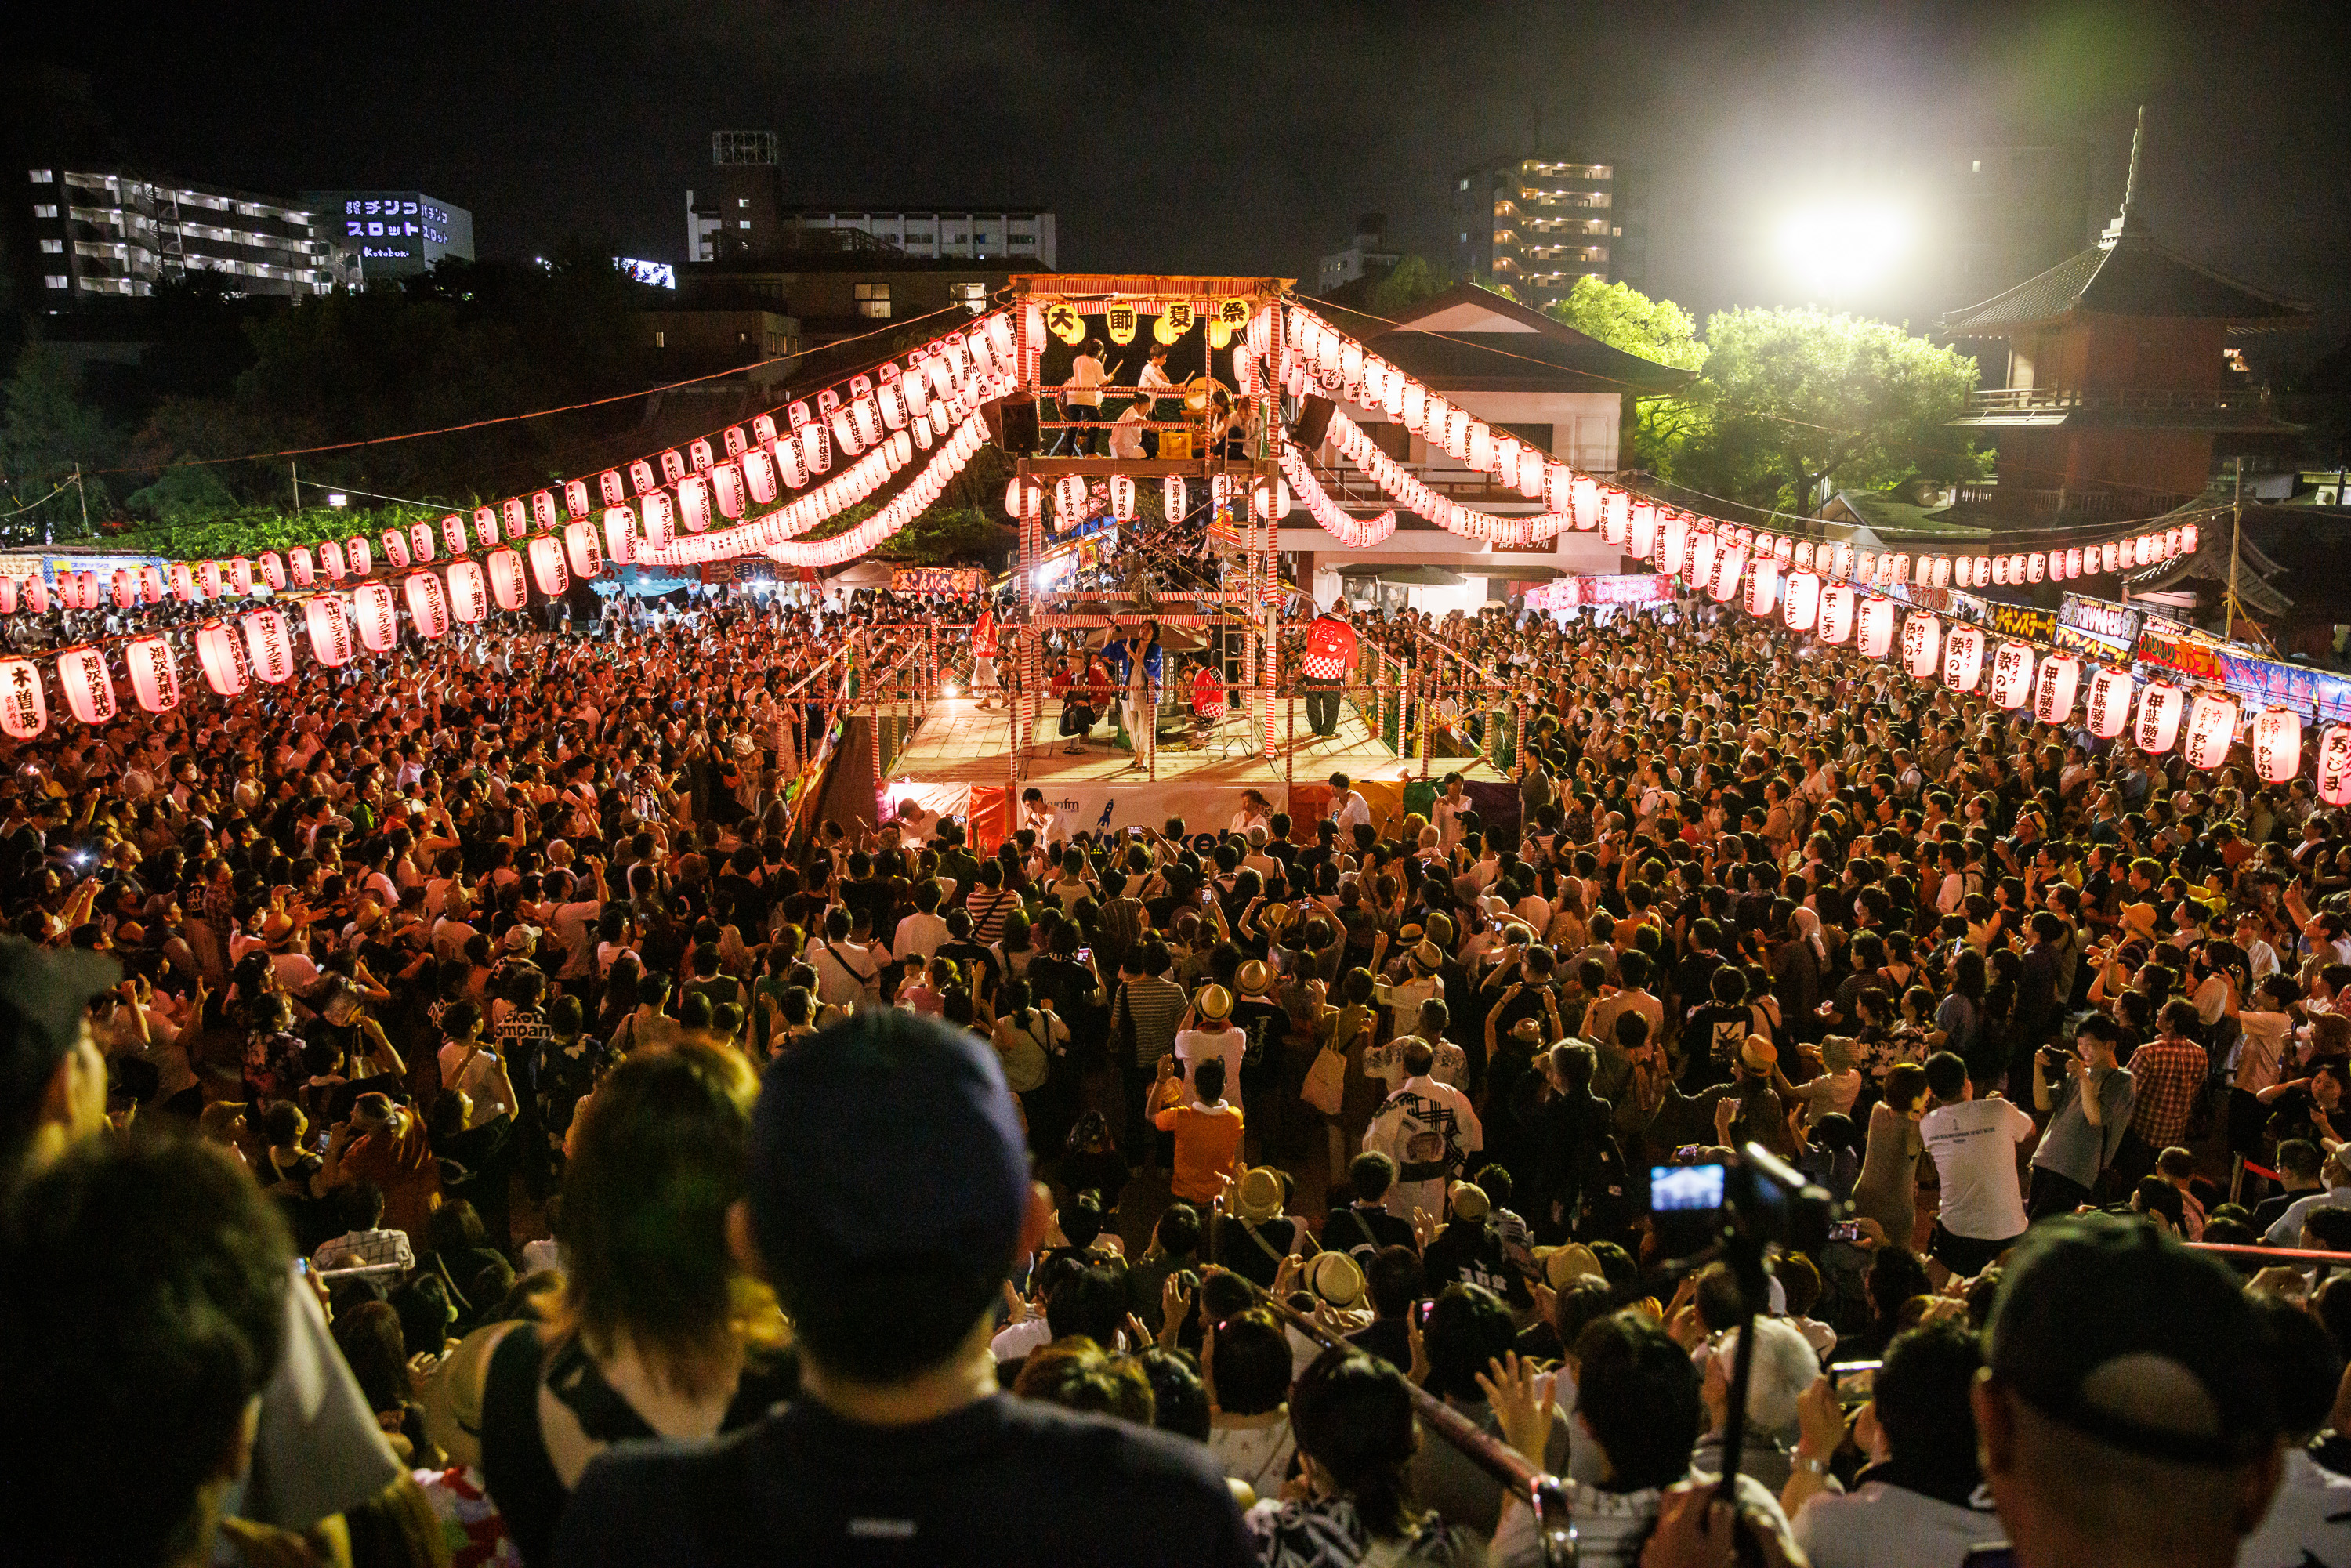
{"x":331,"y":560}
{"x":395,"y":548}
{"x":2036,"y":566}
{"x":221,"y":653}
{"x":620,"y":535}
{"x":1641,"y":530}
{"x":126,"y":588}
{"x":271,"y":644}
{"x":2110,"y":556}
{"x":428,"y":607}
{"x":727,"y":489}
{"x":1673,"y":543}
{"x":420,"y":541}
{"x":1922,"y":646}
{"x":7,"y":595}
{"x":586,"y":559}
{"x":1172,"y":499}
{"x":2334,"y":764}
{"x":2073,"y":563}
{"x":661,"y":520}
{"x":183,"y":582}
{"x":507,"y":580}
{"x":693,"y":502}
{"x":1963,"y":571}
{"x":1837,"y":612}
{"x":2016,"y":568}
{"x":547,"y":567}
{"x":2211,"y":730}
{"x":1122,"y":498}
{"x":517,"y":518}
{"x":2277,"y":744}
{"x":759,"y":476}
{"x":298,"y":565}
{"x":89,"y":690}
{"x":486,"y":527}
{"x":1730,"y":567}
{"x":2110,"y":703}
{"x":1804,"y":601}
{"x":331,"y":629}
{"x":469,"y":593}
{"x":1763,"y":586}
{"x":1874,"y":618}
{"x":2012,"y":675}
{"x":2054,"y":687}
{"x":154,"y":673}
{"x":1700,"y":565}
{"x":36,"y":596}
{"x":2188,"y":539}
{"x":1615,"y":518}
{"x":357,"y":555}
{"x":378,"y":624}
{"x":1939,"y":572}
{"x":1963,"y":652}
{"x":24,"y":711}
{"x":208,"y":578}
{"x":2160,"y":707}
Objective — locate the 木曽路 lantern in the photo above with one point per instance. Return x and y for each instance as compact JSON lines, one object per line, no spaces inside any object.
{"x":90,"y":689}
{"x":2277,"y":744}
{"x":2211,"y":730}
{"x":1963,"y":651}
{"x":507,"y":583}
{"x":329,"y":628}
{"x":2012,"y":675}
{"x":379,"y":621}
{"x":2055,"y":688}
{"x":469,"y":593}
{"x":1922,"y":646}
{"x":24,"y":708}
{"x":270,"y":644}
{"x":154,"y":673}
{"x":220,"y":654}
{"x":2160,"y":708}
{"x":546,"y":567}
{"x":428,"y":606}
{"x":2110,"y":702}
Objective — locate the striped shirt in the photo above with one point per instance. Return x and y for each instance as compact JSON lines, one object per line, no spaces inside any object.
{"x":1152,"y":1006}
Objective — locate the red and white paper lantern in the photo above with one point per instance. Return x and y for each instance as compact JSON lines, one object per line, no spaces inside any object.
{"x":1873,"y":622}
{"x":154,"y":673}
{"x":2012,"y":675}
{"x":546,"y":566}
{"x":329,"y":628}
{"x":2277,"y":744}
{"x":1922,"y":646}
{"x":587,"y":556}
{"x":469,"y":591}
{"x":506,"y":581}
{"x":270,"y":644}
{"x":220,"y":654}
{"x":1837,"y":612}
{"x":1803,"y":603}
{"x":379,"y":621}
{"x":1963,"y":658}
{"x":2162,"y":706}
{"x":428,"y":606}
{"x":2334,"y":761}
{"x":25,"y":707}
{"x":2110,"y":703}
{"x":2211,"y":730}
{"x":2055,"y":688}
{"x":90,"y":689}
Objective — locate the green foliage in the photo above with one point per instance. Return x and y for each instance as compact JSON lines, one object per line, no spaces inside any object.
{"x":183,"y":497}
{"x":945,"y":536}
{"x":1415,"y":278}
{"x":1791,"y":398}
{"x":48,"y":430}
{"x":1623,"y":318}
{"x":248,"y":529}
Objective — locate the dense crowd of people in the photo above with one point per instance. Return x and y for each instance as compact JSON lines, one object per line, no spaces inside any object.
{"x":448,"y":1114}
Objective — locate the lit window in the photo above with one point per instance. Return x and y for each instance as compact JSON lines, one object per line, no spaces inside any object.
{"x":44,"y":177}
{"x":55,"y":281}
{"x":742,"y":201}
{"x":1464,"y":185}
{"x":53,"y":247}
{"x":1465,"y":237}
{"x":661,"y":340}
{"x":874,"y":300}
{"x":743,"y":224}
{"x":44,"y":209}
{"x":972,"y":297}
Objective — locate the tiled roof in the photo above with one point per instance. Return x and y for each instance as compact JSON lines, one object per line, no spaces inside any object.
{"x":2135,"y":277}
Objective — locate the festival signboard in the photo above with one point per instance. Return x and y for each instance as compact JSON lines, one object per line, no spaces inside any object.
{"x":1592,"y":592}
{"x":2099,"y":627}
{"x":936,"y":580}
{"x":2172,"y":648}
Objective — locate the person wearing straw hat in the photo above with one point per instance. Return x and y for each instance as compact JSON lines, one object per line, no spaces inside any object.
{"x":1251,"y":1235}
{"x":1213,"y":1036}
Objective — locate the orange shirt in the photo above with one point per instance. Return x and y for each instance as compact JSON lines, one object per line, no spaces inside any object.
{"x":1205,"y":1141}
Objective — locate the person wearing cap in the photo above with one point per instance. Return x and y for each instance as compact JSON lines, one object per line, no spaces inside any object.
{"x":888,"y":1197}
{"x":2126,"y":1415}
{"x":1214,"y":1037}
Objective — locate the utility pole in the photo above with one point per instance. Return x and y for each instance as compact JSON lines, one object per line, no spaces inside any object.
{"x":294,"y":465}
{"x":2236,"y":535}
{"x":83,"y":495}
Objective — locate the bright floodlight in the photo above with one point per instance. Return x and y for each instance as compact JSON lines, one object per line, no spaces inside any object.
{"x":1838,"y":246}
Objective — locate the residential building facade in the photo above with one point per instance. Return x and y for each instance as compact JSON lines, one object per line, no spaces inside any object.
{"x":742,"y":211}
{"x":108,"y":233}
{"x":1364,"y":256}
{"x":1535,"y":224}
{"x":831,"y":295}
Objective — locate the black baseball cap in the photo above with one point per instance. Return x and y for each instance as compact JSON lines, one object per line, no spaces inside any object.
{"x":42,"y":991}
{"x":887,"y":1138}
{"x":2108,"y":1326}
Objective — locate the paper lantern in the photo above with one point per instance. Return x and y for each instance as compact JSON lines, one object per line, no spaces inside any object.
{"x":428,"y":606}
{"x":1729,"y":568}
{"x":587,"y":557}
{"x":486,"y":528}
{"x":469,"y":591}
{"x":1963,"y":651}
{"x":154,"y":674}
{"x":208,"y":578}
{"x":395,"y":549}
{"x":620,"y":535}
{"x":2160,"y":707}
{"x":1172,"y":498}
{"x":357,"y":555}
{"x":2036,"y":566}
{"x":1873,"y":626}
{"x":2110,"y":703}
{"x":2073,"y":563}
{"x":36,"y":596}
{"x":517,"y":518}
{"x":1837,"y":612}
{"x":1641,"y":530}
{"x":1963,"y":571}
{"x":546,"y":567}
{"x":661,"y":519}
{"x":126,"y":588}
{"x":1673,"y":542}
{"x":2012,"y":675}
{"x":2334,"y":762}
{"x":1698,"y":568}
{"x":329,"y":628}
{"x":1922,"y":646}
{"x":7,"y":595}
{"x":2053,"y":689}
{"x":332,"y":562}
{"x":298,"y":566}
{"x":220,"y":654}
{"x":378,"y":622}
{"x":726,"y":489}
{"x":2187,"y":536}
{"x":2110,"y":556}
{"x":2211,"y":730}
{"x":270,"y":644}
{"x":1763,"y":586}
{"x":1804,"y":601}
{"x":25,"y":710}
{"x":420,"y":541}
{"x":89,"y":688}
{"x":759,"y":476}
{"x":1122,"y":498}
{"x":2277,"y":744}
{"x":506,"y":582}
{"x":183,"y":582}
{"x":1940,"y":574}
{"x":694,"y":503}
{"x":1615,"y":518}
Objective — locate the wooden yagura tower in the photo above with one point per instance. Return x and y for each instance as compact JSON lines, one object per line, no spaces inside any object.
{"x":2120,"y":387}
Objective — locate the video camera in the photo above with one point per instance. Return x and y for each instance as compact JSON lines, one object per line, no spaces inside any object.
{"x":1751,"y":1195}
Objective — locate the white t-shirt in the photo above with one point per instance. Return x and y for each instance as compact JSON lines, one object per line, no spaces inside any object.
{"x":1882,"y":1526}
{"x":1195,"y":1046}
{"x":1973,"y":1145}
{"x":2307,"y":1522}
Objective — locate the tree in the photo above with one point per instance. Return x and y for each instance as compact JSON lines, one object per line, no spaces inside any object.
{"x":1797,"y":397}
{"x":1658,"y":331}
{"x":1415,"y":278}
{"x":50,"y":431}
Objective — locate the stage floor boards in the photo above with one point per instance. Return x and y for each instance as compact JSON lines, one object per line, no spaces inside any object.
{"x":958,"y":744}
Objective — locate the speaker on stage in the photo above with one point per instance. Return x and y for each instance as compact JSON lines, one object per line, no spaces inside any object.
{"x":1314,"y":422}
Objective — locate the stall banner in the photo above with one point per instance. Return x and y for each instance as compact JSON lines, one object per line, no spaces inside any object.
{"x":1577,"y":591}
{"x":2020,"y":620}
{"x":936,"y":580}
{"x":2168,"y":646}
{"x":2096,"y":626}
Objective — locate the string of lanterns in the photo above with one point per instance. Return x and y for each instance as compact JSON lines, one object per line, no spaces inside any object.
{"x":1352,"y":532}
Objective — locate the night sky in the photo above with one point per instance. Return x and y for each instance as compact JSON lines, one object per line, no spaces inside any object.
{"x":1215,"y":137}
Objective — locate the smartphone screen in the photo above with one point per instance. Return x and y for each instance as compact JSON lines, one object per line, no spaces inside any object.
{"x":1845,"y":1230}
{"x":1687,"y":1187}
{"x":1425,"y":1309}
